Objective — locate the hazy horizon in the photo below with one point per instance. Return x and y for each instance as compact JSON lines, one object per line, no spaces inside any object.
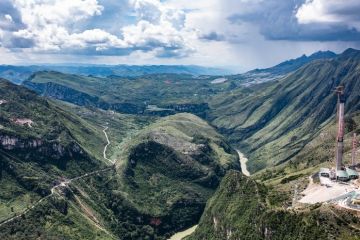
{"x":239,"y":35}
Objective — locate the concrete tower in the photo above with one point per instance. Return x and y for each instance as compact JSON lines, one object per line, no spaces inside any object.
{"x":340,"y":133}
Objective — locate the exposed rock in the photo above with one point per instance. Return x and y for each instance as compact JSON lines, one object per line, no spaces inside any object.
{"x":176,"y":143}
{"x":11,"y":142}
{"x":8,"y":142}
{"x":23,"y":122}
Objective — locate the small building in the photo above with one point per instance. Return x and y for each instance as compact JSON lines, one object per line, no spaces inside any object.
{"x":324,"y":172}
{"x":341,"y":175}
{"x":352,"y":173}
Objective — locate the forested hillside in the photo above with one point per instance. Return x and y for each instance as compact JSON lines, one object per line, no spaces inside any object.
{"x":273,"y":122}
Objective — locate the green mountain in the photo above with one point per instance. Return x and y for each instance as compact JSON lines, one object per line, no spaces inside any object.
{"x":294,"y":64}
{"x":105,"y":163}
{"x":274,"y":121}
{"x":172,"y":167}
{"x":242,"y":209}
{"x":161,"y":94}
{"x":280,"y":70}
{"x":56,"y":182}
{"x":18,"y":74}
{"x":40,"y":144}
{"x":288,"y":129}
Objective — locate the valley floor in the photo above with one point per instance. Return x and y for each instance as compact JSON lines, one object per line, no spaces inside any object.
{"x":243,"y":161}
{"x":181,"y":235}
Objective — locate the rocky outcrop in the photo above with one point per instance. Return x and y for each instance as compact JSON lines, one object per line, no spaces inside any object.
{"x":53,"y":149}
{"x":240,"y":209}
{"x":178,"y":144}
{"x":63,"y":93}
{"x":11,"y":142}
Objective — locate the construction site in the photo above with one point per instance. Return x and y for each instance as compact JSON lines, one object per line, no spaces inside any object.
{"x":339,"y":183}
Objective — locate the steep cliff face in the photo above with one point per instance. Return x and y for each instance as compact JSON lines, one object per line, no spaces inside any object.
{"x":274,"y":122}
{"x":240,"y":209}
{"x":68,"y":94}
{"x":11,"y":142}
{"x":159,"y":95}
{"x":40,"y":141}
{"x":163,"y":177}
{"x":37,"y":148}
{"x":172,"y":168}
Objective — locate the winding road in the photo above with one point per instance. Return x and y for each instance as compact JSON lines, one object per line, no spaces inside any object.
{"x":108,"y":143}
{"x":64,"y":183}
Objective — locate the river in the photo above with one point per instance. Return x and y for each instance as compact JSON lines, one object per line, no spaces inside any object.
{"x":243,"y":161}
{"x":181,"y":235}
{"x":187,"y":232}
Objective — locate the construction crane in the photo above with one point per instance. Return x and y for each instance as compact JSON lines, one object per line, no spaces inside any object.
{"x":353,"y":154}
{"x":340,"y":133}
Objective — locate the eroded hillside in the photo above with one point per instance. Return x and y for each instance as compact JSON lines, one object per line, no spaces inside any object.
{"x":240,"y":209}
{"x":274,"y":122}
{"x":57,"y":177}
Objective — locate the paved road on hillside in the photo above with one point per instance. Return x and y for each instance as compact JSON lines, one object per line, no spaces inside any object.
{"x":108,"y":143}
{"x":64,"y":183}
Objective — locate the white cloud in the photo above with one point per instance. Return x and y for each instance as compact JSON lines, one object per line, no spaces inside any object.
{"x":48,"y":23}
{"x":330,"y":12}
{"x":40,"y":13}
{"x":52,"y":26}
{"x":8,"y":18}
{"x":144,"y":31}
{"x":148,"y":10}
{"x":160,"y":28}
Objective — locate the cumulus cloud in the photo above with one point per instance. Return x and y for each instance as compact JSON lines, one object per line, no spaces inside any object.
{"x":158,"y":28}
{"x":300,"y":20}
{"x":337,"y":12}
{"x":60,"y":26}
{"x":192,"y":30}
{"x":10,"y":19}
{"x":46,"y":24}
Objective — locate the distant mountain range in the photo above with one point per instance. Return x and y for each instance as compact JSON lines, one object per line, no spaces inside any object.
{"x":280,"y":118}
{"x":293,"y":64}
{"x":18,"y":74}
{"x":43,"y":142}
{"x":268,"y":74}
{"x":74,"y":172}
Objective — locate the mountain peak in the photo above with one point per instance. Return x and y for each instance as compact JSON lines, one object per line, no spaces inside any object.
{"x":351,"y":52}
{"x":293,"y":64}
{"x":322,"y":54}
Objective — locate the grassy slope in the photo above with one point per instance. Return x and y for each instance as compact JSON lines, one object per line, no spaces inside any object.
{"x":172,"y":167}
{"x":163,"y":90}
{"x":51,"y":123}
{"x":273,"y":123}
{"x":166,"y":190}
{"x":158,"y":196}
{"x":319,"y":152}
{"x":279,"y":183}
{"x":241,"y":209}
{"x":121,"y":127}
{"x":69,"y":147}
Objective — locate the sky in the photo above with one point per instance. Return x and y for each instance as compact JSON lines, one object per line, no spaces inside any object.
{"x":237,"y":34}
